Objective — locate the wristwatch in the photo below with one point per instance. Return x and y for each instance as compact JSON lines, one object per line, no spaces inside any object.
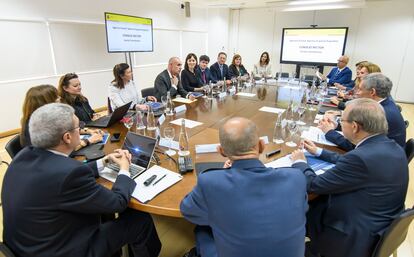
{"x":86,"y":141}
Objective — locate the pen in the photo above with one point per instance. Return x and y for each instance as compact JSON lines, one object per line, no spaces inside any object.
{"x":269,"y":154}
{"x":149,"y":180}
{"x":159,"y":179}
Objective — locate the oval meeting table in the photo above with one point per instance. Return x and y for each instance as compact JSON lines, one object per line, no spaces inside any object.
{"x":243,"y":102}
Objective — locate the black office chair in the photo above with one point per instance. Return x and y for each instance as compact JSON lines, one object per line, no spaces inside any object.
{"x":148,"y":92}
{"x":409,"y":149}
{"x":394,"y":236}
{"x":109,"y":106}
{"x":282,"y":75}
{"x":5,"y":251}
{"x":13,"y":146}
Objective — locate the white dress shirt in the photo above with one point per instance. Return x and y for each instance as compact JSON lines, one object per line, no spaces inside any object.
{"x":129,"y":93}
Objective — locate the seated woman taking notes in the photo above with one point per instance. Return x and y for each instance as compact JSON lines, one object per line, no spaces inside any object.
{"x":123,"y":90}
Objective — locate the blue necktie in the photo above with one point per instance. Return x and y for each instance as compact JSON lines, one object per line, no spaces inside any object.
{"x":221,"y":69}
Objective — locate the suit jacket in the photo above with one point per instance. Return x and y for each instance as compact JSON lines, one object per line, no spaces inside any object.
{"x":208,"y":76}
{"x":396,"y":127}
{"x":233,"y":72}
{"x":366,"y":189}
{"x":52,"y":204}
{"x":252,"y":210}
{"x":83,"y":110}
{"x":162,"y":84}
{"x":344,"y":77}
{"x":216,"y":74}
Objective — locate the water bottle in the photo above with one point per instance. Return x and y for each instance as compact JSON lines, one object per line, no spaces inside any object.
{"x":278,"y":131}
{"x":169,"y":109}
{"x":151,"y":125}
{"x":183,"y":141}
{"x":140,"y":129}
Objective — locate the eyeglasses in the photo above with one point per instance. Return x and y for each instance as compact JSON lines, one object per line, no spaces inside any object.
{"x":343,"y":120}
{"x":340,"y":61}
{"x":80,"y":126}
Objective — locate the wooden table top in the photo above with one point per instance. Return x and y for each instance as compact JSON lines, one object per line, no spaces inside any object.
{"x":212,"y":113}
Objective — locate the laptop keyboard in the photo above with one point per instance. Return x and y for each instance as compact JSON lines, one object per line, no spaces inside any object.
{"x":134,"y":169}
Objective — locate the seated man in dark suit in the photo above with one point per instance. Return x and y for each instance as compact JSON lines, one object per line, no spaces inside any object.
{"x":246,"y":209}
{"x":52,"y":205}
{"x":220,"y":70}
{"x":203,"y":73}
{"x":341,"y":74}
{"x":169,"y":80}
{"x":378,"y":87}
{"x":363,"y":193}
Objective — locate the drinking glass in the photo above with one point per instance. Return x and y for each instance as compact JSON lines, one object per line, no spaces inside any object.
{"x":128,"y":121}
{"x":301,"y":110}
{"x":169,"y":133}
{"x":164,"y":100}
{"x":140,"y":127}
{"x":292,"y":127}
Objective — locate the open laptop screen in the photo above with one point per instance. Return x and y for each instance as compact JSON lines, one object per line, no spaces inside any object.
{"x":140,"y":147}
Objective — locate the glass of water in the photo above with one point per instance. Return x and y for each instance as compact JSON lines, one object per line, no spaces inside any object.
{"x":169,"y":133}
{"x":292,"y":127}
{"x":128,"y":121}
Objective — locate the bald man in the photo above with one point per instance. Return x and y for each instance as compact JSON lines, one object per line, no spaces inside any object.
{"x":341,"y":74}
{"x":246,"y":209}
{"x":169,"y":80}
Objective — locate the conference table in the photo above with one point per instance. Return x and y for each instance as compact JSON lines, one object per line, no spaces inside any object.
{"x":212,"y":113}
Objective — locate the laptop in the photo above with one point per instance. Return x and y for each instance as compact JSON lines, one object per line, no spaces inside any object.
{"x":109,"y":120}
{"x":142,"y":149}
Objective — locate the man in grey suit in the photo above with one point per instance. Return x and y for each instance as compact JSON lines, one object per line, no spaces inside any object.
{"x":169,"y":80}
{"x":363,"y":193}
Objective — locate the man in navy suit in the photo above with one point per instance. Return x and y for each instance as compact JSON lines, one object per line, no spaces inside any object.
{"x":52,"y":205}
{"x":203,"y":73}
{"x":363,"y":193}
{"x":341,"y":74}
{"x":378,"y":87}
{"x":246,"y":209}
{"x":220,"y":70}
{"x":169,"y":80}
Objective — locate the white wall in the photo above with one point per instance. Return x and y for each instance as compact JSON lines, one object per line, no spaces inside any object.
{"x":43,"y":39}
{"x":382,"y":32}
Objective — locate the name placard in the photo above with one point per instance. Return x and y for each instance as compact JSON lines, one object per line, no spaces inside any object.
{"x":181,"y":108}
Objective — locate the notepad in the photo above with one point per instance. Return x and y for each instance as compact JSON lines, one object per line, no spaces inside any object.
{"x":271,"y":109}
{"x":166,"y":143}
{"x":146,"y":193}
{"x":183,"y":100}
{"x":245,"y":94}
{"x":206,"y":148}
{"x":188,"y":123}
{"x":316,"y":135}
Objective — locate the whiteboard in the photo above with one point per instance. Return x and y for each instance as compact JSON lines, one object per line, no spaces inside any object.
{"x":82,"y":47}
{"x":24,"y":50}
{"x":166,"y":45}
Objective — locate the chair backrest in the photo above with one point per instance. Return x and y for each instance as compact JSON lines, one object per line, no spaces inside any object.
{"x":13,"y":146}
{"x":399,"y":107}
{"x":309,"y":78}
{"x":407,"y":123}
{"x":409,"y":149}
{"x":109,"y":106}
{"x":395,"y":235}
{"x":282,"y":75}
{"x":150,"y":91}
{"x":5,"y":251}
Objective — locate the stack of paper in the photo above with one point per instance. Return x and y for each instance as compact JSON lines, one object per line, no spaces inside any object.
{"x":316,"y":135}
{"x":165,"y":178}
{"x":246,"y":94}
{"x":183,"y":100}
{"x":165,"y":142}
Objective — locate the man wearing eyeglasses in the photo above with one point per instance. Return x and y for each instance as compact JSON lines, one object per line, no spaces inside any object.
{"x":341,"y":74}
{"x":363,"y":193}
{"x":52,"y":205}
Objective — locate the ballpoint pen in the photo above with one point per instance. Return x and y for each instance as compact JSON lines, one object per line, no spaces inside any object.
{"x":159,"y":179}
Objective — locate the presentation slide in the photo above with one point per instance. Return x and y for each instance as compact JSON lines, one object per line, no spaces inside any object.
{"x":313,"y":45}
{"x":128,"y":33}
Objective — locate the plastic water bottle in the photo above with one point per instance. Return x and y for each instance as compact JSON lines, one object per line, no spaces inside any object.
{"x":278,"y":131}
{"x":169,"y":109}
{"x":151,"y":125}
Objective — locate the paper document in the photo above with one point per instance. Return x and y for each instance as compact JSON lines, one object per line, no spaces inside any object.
{"x":206,"y":148}
{"x":316,"y":135}
{"x":165,"y":178}
{"x":245,"y":94}
{"x":318,"y":117}
{"x":271,"y":109}
{"x":166,"y":143}
{"x":318,"y":166}
{"x":265,"y":139}
{"x":188,"y":123}
{"x":269,"y":81}
{"x":183,"y":100}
